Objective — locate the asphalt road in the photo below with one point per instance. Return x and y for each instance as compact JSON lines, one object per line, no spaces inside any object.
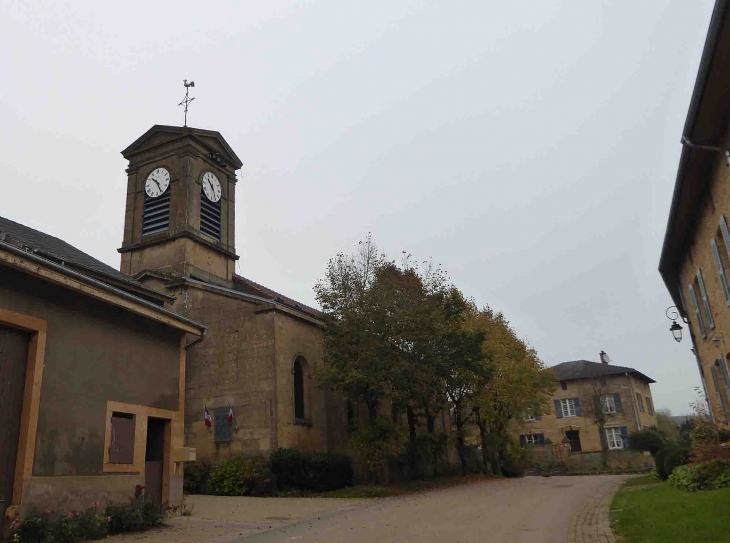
{"x":529,"y":510}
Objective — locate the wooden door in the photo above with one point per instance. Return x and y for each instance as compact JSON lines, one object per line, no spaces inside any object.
{"x":154,"y":459}
{"x":13,"y":361}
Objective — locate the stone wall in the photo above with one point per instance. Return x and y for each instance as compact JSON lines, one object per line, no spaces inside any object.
{"x":558,"y":459}
{"x":710,"y":209}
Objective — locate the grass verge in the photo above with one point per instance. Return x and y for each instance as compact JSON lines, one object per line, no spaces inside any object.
{"x":664,"y":514}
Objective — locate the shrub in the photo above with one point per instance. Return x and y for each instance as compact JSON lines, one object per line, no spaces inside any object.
{"x":703,"y":432}
{"x":649,"y":439}
{"x":373,"y":443}
{"x":710,"y":475}
{"x":702,"y":452}
{"x":76,"y":526}
{"x":674,"y":457}
{"x":194,"y":476}
{"x":139,"y":514}
{"x":237,"y":476}
{"x":723,"y":435}
{"x":659,"y":462}
{"x":516,"y":459}
{"x":309,"y":471}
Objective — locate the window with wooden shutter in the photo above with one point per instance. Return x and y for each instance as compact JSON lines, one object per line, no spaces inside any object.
{"x":613,"y":436}
{"x":696,"y":308}
{"x":705,"y":299}
{"x":716,"y":384}
{"x":720,"y":269}
{"x":725,"y":234}
{"x":650,"y":406}
{"x":640,"y":401}
{"x":121,"y":449}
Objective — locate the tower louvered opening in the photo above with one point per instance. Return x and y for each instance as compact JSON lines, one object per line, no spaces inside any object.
{"x":210,"y":217}
{"x":156,"y":214}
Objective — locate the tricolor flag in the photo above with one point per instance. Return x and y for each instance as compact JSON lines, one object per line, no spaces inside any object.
{"x":208,"y":418}
{"x":230,"y":414}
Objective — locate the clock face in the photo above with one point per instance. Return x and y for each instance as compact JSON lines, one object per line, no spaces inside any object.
{"x":211,"y":187}
{"x":157,"y":182}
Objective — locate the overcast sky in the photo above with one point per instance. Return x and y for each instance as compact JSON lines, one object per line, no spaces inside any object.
{"x":529,"y":147}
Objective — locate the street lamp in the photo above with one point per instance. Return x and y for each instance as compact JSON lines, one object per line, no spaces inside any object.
{"x":676,"y":328}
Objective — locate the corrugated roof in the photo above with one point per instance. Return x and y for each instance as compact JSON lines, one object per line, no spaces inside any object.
{"x":585,"y":369}
{"x":58,"y":250}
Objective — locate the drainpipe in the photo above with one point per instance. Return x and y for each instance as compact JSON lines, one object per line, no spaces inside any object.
{"x":633,"y":401}
{"x":196,"y":340}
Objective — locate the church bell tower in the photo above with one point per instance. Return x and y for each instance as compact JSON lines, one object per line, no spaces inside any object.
{"x":180,"y":212}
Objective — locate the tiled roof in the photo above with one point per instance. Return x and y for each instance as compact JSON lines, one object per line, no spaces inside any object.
{"x":585,"y":369}
{"x":242,"y":284}
{"x":55,"y":249}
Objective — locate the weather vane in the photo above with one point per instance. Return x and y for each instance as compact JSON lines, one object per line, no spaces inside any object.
{"x":187,"y":99}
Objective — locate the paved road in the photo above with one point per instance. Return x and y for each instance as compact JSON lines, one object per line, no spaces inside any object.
{"x":529,"y":510}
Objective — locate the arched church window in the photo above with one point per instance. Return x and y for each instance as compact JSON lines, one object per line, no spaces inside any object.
{"x":299,"y":388}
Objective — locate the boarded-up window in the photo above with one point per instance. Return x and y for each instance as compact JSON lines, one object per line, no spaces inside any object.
{"x":121,"y":448}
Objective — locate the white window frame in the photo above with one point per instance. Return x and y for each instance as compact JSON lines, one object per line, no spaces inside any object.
{"x":532,"y":439}
{"x":609,"y":404}
{"x":530,"y":417}
{"x":614,"y":439}
{"x":568,"y":407}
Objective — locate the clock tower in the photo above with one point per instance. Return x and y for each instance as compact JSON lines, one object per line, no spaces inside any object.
{"x":180,"y":211}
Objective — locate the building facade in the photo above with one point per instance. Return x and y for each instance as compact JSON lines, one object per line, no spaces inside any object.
{"x":92,"y":373}
{"x":624,"y":397}
{"x":258,"y":360}
{"x":695,"y":259}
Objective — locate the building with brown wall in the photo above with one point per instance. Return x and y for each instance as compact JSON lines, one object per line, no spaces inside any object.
{"x":261,"y":347}
{"x":92,"y":373}
{"x":695,"y":259}
{"x":623,"y":393}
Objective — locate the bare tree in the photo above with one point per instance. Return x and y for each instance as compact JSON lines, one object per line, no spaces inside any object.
{"x":601,"y":408}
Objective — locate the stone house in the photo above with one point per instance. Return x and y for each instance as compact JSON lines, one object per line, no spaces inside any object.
{"x":261,"y":349}
{"x":623,"y":394}
{"x":695,"y":259}
{"x":92,"y":375}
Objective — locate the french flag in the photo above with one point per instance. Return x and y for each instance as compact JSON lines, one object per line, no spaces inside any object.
{"x":230,"y":414}
{"x":208,"y":418}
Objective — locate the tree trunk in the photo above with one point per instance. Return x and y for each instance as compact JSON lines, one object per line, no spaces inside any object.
{"x":481,"y":423}
{"x":460,"y":441}
{"x":372,"y":405}
{"x":413,"y":453}
{"x":431,"y":429}
{"x":604,"y":445}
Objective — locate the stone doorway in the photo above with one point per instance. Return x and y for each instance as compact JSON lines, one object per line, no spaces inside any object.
{"x":574,"y":438}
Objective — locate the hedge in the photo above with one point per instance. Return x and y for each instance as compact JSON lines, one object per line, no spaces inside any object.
{"x":310,"y":471}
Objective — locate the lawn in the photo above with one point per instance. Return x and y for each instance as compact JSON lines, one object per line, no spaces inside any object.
{"x":664,"y":514}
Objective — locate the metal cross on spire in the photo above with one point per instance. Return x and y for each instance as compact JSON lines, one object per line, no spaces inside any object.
{"x":187,"y":98}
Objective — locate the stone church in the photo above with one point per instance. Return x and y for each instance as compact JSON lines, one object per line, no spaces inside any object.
{"x":260,"y":348}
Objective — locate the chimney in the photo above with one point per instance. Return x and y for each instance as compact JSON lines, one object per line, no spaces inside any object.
{"x":604,"y":358}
